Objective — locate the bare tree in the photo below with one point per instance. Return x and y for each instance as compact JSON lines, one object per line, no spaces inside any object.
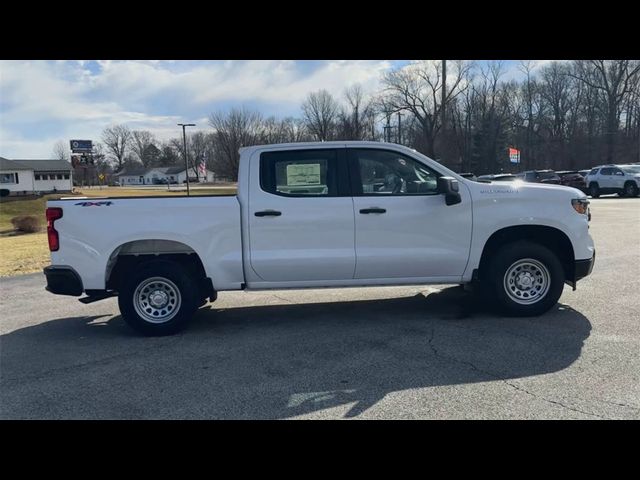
{"x":417,"y":89}
{"x":320,"y":112}
{"x":356,"y":120}
{"x":614,"y":80}
{"x":60,"y":151}
{"x":233,"y":130}
{"x":116,"y":139}
{"x":141,"y":140}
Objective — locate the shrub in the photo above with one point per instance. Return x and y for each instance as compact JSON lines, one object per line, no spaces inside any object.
{"x":4,"y":192}
{"x":26,"y":223}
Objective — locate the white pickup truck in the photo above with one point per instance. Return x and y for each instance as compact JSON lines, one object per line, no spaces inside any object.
{"x":330,"y":214}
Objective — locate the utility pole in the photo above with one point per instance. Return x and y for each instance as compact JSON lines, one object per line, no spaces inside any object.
{"x":186,"y":162}
{"x":399,"y":128}
{"x":444,"y":91}
{"x":387,"y":129}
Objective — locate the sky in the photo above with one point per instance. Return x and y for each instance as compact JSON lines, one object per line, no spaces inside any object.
{"x":42,"y":102}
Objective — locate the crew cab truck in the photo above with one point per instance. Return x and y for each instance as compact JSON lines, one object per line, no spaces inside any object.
{"x":329,"y":214}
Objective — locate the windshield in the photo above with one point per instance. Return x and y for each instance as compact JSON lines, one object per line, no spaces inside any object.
{"x":631,"y":169}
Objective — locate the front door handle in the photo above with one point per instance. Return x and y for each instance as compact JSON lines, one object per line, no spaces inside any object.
{"x":373,"y":210}
{"x":268,"y":213}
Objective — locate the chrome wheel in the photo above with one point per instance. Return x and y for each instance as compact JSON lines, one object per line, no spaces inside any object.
{"x":527,"y":281}
{"x":157,"y":300}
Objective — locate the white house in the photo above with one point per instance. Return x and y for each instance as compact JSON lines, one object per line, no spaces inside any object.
{"x":159,"y":175}
{"x":30,"y":176}
{"x":15,"y":177}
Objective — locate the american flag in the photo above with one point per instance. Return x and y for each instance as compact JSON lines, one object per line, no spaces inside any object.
{"x":202,"y":169}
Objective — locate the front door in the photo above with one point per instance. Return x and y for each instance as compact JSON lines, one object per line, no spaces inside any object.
{"x":403,"y":226}
{"x":301,"y":224}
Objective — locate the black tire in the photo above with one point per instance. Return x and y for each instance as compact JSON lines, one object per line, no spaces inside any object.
{"x":173,"y":284}
{"x":630,"y":189}
{"x":495,"y":283}
{"x":594,"y":190}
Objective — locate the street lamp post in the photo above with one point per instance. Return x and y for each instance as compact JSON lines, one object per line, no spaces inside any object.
{"x":184,"y":140}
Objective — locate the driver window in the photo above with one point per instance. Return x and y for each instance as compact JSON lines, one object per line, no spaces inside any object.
{"x":389,"y":173}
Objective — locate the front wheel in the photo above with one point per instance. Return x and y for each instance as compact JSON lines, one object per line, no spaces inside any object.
{"x":158,"y":299}
{"x":524,"y":279}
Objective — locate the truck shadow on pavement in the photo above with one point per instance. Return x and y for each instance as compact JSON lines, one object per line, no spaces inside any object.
{"x":280,"y":361}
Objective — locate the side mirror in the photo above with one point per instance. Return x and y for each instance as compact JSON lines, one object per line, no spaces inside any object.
{"x":448,"y":186}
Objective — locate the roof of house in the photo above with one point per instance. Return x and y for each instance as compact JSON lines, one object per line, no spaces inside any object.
{"x":173,"y":170}
{"x":44,"y":165}
{"x":6,"y":164}
{"x":132,"y":171}
{"x":137,"y":171}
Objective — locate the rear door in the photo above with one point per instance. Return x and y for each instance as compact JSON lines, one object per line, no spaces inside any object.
{"x":301,"y":224}
{"x":403,"y":226}
{"x":617,"y":178}
{"x":605,"y":179}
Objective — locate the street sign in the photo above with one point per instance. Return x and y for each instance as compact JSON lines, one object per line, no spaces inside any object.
{"x":514,"y":155}
{"x":101,"y":176}
{"x":78,"y":146}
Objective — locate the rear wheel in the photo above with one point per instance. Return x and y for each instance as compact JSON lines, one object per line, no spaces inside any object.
{"x":524,"y":279}
{"x":158,"y":299}
{"x":594,"y":190}
{"x":631,"y":189}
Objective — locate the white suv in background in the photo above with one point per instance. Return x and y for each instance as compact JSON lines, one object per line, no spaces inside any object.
{"x":621,"y":179}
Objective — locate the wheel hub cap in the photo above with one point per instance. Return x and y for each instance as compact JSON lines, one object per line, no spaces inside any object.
{"x":527,"y":281}
{"x":157,"y":300}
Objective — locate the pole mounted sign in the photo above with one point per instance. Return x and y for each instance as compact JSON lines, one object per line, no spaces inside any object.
{"x":514,"y":155}
{"x":79,"y":146}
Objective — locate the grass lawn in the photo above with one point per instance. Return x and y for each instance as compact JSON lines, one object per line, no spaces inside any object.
{"x":22,"y":254}
{"x":29,"y":253}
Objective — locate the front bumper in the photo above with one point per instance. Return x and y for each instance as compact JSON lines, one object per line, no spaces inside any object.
{"x":581,"y":269}
{"x":584,"y":267}
{"x":63,"y":281}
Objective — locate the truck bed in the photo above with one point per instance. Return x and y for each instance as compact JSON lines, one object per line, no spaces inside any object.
{"x":93,"y":229}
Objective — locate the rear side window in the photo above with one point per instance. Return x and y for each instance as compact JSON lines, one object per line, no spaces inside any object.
{"x":606,"y":171}
{"x":300,"y":173}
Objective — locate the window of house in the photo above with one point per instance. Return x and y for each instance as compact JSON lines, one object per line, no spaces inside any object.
{"x":66,"y":176}
{"x":37,"y":176}
{"x":8,"y":178}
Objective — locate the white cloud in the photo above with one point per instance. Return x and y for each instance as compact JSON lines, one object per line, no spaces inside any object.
{"x":42,"y":102}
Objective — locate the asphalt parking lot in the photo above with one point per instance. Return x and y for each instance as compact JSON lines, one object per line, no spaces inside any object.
{"x":423,"y":352}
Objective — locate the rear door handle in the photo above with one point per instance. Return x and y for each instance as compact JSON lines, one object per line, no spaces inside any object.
{"x":373,"y":210}
{"x":268,"y":213}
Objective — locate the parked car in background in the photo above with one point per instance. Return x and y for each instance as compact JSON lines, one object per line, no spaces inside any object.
{"x":470,"y":176}
{"x":572,"y":178}
{"x":621,"y":179}
{"x":498,"y":177}
{"x":540,"y":176}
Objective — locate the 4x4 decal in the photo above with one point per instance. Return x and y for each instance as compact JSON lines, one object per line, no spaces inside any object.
{"x":94,"y":204}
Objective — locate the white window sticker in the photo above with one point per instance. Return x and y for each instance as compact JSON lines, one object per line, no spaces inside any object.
{"x":304,"y":174}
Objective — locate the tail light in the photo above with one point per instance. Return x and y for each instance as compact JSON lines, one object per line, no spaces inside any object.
{"x":53,"y":214}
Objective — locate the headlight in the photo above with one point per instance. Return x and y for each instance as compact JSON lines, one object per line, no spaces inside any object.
{"x":581,"y":205}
